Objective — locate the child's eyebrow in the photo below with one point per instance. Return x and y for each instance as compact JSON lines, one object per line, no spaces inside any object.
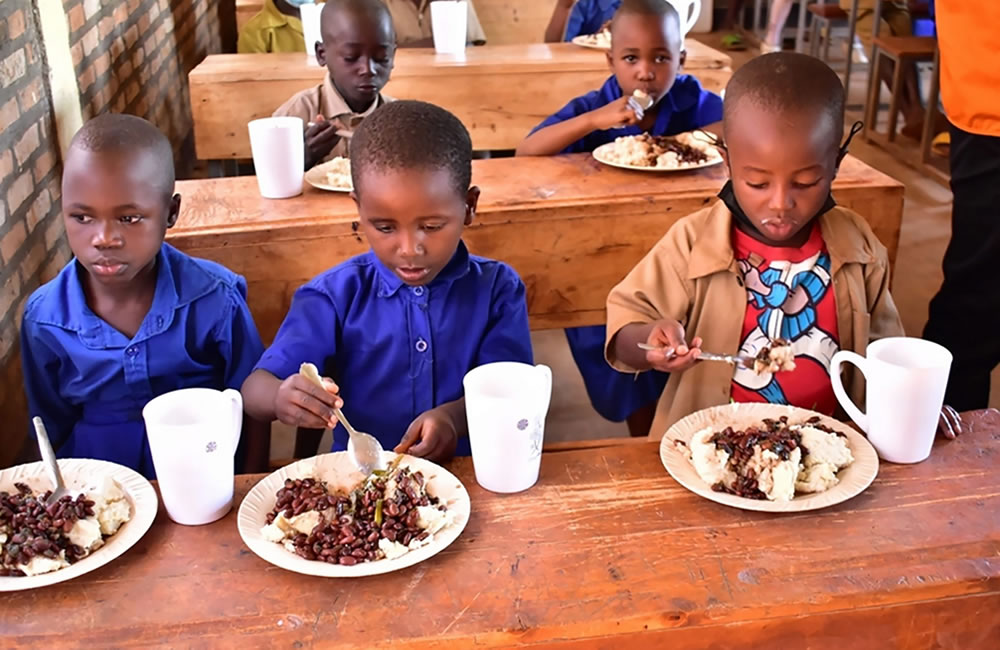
{"x":751,"y":168}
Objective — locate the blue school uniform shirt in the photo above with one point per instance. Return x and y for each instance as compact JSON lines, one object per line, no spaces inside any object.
{"x":587,"y":16}
{"x":687,"y":106}
{"x":89,"y":382}
{"x":395,"y":350}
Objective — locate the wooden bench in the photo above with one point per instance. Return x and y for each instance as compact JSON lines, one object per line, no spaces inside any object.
{"x":504,"y":21}
{"x":570,"y":226}
{"x":498,"y":91}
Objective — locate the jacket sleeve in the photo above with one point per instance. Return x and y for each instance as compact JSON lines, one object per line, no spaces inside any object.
{"x":884,"y":316}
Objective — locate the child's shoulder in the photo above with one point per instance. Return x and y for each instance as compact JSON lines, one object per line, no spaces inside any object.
{"x":194,"y":277}
{"x":356,"y":273}
{"x":487,"y":271}
{"x":849,"y":235}
{"x":51,"y":303}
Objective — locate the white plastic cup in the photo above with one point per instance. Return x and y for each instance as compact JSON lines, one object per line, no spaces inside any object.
{"x":449,"y":24}
{"x":311,"y":32}
{"x":193,"y":433}
{"x":688,"y":11}
{"x":505,"y":404}
{"x":905,"y":381}
{"x":278,"y":150}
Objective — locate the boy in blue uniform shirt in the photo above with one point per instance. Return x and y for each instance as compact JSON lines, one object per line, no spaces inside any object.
{"x":130,"y":317}
{"x":571,"y":19}
{"x":398,"y":327}
{"x":646,"y":53}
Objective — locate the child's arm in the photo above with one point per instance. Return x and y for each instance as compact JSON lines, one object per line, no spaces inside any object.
{"x":884,"y":318}
{"x":320,"y":138}
{"x":673,"y":355}
{"x":550,"y":140}
{"x":296,"y":401}
{"x":556,"y":28}
{"x":435,"y":433}
{"x":41,"y":370}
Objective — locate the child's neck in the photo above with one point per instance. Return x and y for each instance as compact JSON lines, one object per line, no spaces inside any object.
{"x":123,"y":307}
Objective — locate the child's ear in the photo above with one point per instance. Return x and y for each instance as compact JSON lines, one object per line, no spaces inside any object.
{"x":682,"y":59}
{"x":174,"y":210}
{"x":471,"y":201}
{"x":354,"y":195}
{"x":725,"y":161}
{"x":320,"y":53}
{"x":607,"y":55}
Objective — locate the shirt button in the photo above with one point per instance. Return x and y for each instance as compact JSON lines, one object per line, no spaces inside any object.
{"x":418,"y":291}
{"x":159,"y":321}
{"x":132,"y":351}
{"x":421,"y":345}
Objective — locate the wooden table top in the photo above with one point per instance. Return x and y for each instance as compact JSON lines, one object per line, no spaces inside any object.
{"x":419,"y":61}
{"x":606,"y":551}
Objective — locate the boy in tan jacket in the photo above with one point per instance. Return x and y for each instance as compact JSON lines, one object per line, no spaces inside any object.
{"x":775,"y":258}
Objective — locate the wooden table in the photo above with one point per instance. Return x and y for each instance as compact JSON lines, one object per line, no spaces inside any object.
{"x":504,"y":21}
{"x":498,"y":91}
{"x":606,"y":551}
{"x":570,"y":226}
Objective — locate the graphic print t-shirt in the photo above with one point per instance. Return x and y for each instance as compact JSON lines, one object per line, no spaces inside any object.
{"x":789,"y":296}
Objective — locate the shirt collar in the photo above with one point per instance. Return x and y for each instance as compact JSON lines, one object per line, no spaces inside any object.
{"x":272,"y":18}
{"x":457,"y":267}
{"x":333,"y":104}
{"x":712,"y":250}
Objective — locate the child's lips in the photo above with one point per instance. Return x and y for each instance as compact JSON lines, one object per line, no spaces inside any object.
{"x":108,"y":267}
{"x":412,"y":273}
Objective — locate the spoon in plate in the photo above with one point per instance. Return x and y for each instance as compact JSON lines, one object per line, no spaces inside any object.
{"x":49,"y":458}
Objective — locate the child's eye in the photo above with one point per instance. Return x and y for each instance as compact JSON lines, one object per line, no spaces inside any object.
{"x":433,"y":227}
{"x":384,"y":228}
{"x":631,"y":58}
{"x":130,"y":218}
{"x":805,"y":186}
{"x":81,"y":218}
{"x":351,"y":59}
{"x":663,"y":59}
{"x":756,"y":186}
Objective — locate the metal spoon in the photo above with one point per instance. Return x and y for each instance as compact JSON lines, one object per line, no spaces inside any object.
{"x":640,"y":104}
{"x":740,"y":360}
{"x":364,"y":448}
{"x":49,"y":457}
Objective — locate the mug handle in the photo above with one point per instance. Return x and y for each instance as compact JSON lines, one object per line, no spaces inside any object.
{"x":861,"y":419}
{"x":236,"y":399}
{"x":546,"y":373}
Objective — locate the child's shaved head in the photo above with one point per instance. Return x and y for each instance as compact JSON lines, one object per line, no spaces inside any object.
{"x":412,"y":135}
{"x":374,"y":11}
{"x":117,"y":133}
{"x":786,"y":82}
{"x":650,"y":9}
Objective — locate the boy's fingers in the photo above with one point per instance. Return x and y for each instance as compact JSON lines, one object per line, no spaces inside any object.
{"x":409,"y":439}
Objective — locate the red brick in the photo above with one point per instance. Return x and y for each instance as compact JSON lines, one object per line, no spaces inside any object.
{"x":125,"y":69}
{"x":15,"y":24}
{"x":40,"y":210}
{"x":117,"y":48}
{"x":87,"y":78}
{"x":131,"y":91}
{"x":9,"y":112}
{"x":55,"y":189}
{"x":6,"y":164}
{"x":54,"y":232}
{"x":11,"y":243}
{"x":91,"y":8}
{"x":19,"y":191}
{"x":44,"y":165}
{"x":3,"y":217}
{"x":33,"y":261}
{"x":121,"y":13}
{"x":106,"y":26}
{"x":143,"y":23}
{"x":101,"y":64}
{"x":54,"y":265}
{"x":133,"y":5}
{"x":77,"y":53}
{"x":90,"y":40}
{"x":76,"y":18}
{"x":30,"y":94}
{"x":12,"y":68}
{"x":131,"y":36}
{"x":26,"y":145}
{"x":8,"y":294}
{"x":119,"y":105}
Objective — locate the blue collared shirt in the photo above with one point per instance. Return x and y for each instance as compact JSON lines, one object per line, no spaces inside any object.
{"x":687,"y":106}
{"x":395,"y":350}
{"x":89,"y":382}
{"x":588,"y":16}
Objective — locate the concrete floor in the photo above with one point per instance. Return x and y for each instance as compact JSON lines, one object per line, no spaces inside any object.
{"x":925,"y":233}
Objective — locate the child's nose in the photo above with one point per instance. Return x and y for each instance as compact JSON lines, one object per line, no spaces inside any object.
{"x":105,"y":235}
{"x":781,"y":199}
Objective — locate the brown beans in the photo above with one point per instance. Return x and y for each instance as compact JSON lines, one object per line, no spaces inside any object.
{"x":38,"y":528}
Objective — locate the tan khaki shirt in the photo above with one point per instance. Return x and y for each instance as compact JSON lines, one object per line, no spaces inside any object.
{"x":691,"y":275}
{"x":326,"y":101}
{"x":413,"y":23}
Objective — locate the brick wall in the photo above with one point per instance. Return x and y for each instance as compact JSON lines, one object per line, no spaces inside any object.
{"x":32,"y":246}
{"x":133,"y":56}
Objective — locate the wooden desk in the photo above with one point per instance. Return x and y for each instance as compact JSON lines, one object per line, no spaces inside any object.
{"x":504,"y":21}
{"x":606,"y":551}
{"x":570,"y":226}
{"x":498,"y":91}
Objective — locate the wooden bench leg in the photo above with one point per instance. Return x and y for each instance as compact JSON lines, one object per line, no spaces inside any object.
{"x":827,"y":37}
{"x":897,"y":89}
{"x":930,"y":116}
{"x":874,"y":88}
{"x":814,"y":38}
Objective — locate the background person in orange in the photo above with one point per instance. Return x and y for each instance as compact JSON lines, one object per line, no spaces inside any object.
{"x":965,"y":314}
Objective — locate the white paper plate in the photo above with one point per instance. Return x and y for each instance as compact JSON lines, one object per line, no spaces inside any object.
{"x":854,"y":478}
{"x":79,"y":473}
{"x":600,"y":155}
{"x":590,"y":41}
{"x":317,"y":178}
{"x":339,"y":472}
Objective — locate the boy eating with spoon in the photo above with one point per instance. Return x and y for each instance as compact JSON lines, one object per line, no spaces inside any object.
{"x":646,"y":55}
{"x":775,"y":258}
{"x":358,"y":47}
{"x":398,"y":327}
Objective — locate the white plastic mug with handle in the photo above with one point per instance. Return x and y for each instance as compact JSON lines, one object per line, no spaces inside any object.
{"x":689,"y":11}
{"x":193,"y":433}
{"x":905,"y":383}
{"x":505,"y":404}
